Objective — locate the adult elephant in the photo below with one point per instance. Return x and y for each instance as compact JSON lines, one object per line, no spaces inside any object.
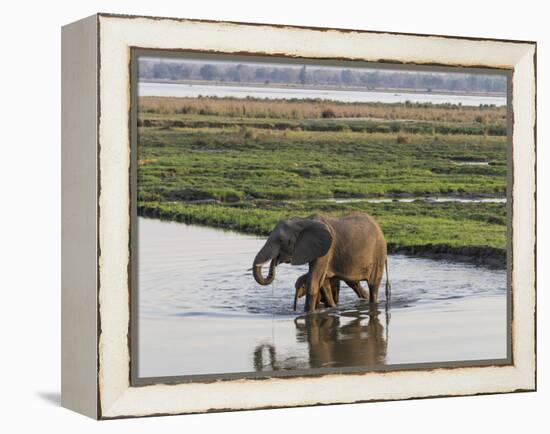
{"x":350,"y":248}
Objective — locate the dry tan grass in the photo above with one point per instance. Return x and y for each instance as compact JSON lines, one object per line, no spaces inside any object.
{"x":314,"y":109}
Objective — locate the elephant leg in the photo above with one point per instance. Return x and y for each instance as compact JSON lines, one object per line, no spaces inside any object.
{"x":335,"y":287}
{"x":374,"y":284}
{"x":373,"y":292}
{"x":322,"y":296}
{"x":327,"y":294}
{"x":316,"y":278}
{"x":358,"y":289}
{"x":321,"y":299}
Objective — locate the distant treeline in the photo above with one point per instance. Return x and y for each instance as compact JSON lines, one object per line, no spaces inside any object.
{"x":156,"y":69}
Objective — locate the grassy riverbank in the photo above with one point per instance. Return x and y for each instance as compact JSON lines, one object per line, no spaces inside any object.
{"x":244,"y":164}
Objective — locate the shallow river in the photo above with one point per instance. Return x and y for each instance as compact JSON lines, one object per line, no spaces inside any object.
{"x":195,"y":90}
{"x":201,"y":312}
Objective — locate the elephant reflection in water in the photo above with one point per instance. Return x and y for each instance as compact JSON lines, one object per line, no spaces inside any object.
{"x":332,"y":341}
{"x":265,"y":359}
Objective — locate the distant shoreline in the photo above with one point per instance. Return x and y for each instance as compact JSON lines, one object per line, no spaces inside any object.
{"x":336,"y":88}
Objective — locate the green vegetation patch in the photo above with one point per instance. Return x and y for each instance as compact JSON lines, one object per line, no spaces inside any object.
{"x":246,"y":172}
{"x":233,"y":164}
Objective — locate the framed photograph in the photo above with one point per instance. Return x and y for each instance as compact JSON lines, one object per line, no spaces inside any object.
{"x":262,"y":216}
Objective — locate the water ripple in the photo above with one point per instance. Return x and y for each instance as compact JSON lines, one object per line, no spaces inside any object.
{"x":187,"y":270}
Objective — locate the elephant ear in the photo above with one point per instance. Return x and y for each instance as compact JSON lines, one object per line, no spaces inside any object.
{"x":313,"y":242}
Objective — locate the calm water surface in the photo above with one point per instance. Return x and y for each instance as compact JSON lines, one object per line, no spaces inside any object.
{"x":201,"y":312}
{"x":195,"y":90}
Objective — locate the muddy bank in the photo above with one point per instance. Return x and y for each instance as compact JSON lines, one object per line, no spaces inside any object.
{"x":486,"y":256}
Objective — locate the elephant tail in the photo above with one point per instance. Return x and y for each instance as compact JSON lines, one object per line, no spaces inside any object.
{"x":388,"y":284}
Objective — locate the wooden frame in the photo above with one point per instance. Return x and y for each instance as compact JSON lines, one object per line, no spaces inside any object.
{"x":96,"y":137}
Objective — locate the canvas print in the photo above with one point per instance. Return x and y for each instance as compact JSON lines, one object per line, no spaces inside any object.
{"x":297,"y":217}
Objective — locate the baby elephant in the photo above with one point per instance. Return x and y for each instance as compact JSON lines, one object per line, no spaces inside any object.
{"x":330,"y":290}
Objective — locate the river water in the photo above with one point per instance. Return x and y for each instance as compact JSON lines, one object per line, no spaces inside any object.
{"x":201,"y":312}
{"x":195,"y":90}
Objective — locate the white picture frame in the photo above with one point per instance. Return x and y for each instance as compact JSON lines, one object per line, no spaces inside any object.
{"x":96,"y":245}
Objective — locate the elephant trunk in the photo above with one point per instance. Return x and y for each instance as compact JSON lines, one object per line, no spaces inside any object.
{"x":257,"y":273}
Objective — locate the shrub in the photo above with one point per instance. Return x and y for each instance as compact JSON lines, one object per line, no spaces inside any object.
{"x":247,"y":133}
{"x":403,"y":138}
{"x":328,"y":113}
